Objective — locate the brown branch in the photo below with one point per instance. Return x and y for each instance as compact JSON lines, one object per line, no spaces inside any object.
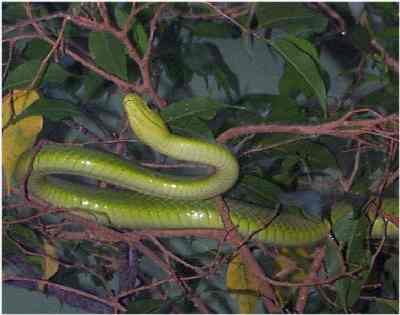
{"x":234,"y":12}
{"x":313,"y":275}
{"x":329,"y":12}
{"x":103,"y":12}
{"x":348,"y":182}
{"x":344,"y":127}
{"x":253,"y":267}
{"x":25,"y":23}
{"x":129,"y":19}
{"x":387,"y":59}
{"x":10,"y":54}
{"x":146,"y":86}
{"x":341,"y":28}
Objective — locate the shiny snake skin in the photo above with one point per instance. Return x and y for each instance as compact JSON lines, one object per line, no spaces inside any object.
{"x":151,"y":200}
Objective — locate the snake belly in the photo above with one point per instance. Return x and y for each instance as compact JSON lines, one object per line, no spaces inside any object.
{"x":151,"y":200}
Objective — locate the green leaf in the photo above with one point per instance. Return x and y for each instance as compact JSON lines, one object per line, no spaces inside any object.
{"x":109,"y":53}
{"x":212,"y":29}
{"x":189,"y":115}
{"x":226,"y":80}
{"x":273,"y":107}
{"x":37,"y":49}
{"x":304,"y":45}
{"x":359,"y":37}
{"x":92,"y":85}
{"x":24,"y":74}
{"x":205,"y":59}
{"x":258,"y":190}
{"x":145,"y":306}
{"x":13,"y":11}
{"x":140,"y":37}
{"x":385,"y":306}
{"x":305,"y":66}
{"x":292,"y":17}
{"x":357,"y":255}
{"x":54,"y":110}
{"x":333,"y":259}
{"x":200,"y":107}
{"x":120,"y":16}
{"x":24,"y":235}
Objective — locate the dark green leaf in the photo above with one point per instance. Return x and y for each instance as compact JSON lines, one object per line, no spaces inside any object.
{"x":384,"y":306}
{"x":212,"y":29}
{"x":304,"y":45}
{"x":205,"y":59}
{"x":292,"y":83}
{"x":121,"y":16}
{"x":145,"y":306}
{"x":24,"y":235}
{"x":305,"y":66}
{"x":359,"y":37}
{"x":270,"y":108}
{"x":92,"y":84}
{"x":140,"y":37}
{"x":188,"y":116}
{"x":37,"y":49}
{"x":357,"y":255}
{"x":226,"y":80}
{"x":54,"y":110}
{"x":13,"y":11}
{"x":258,"y":190}
{"x":334,"y":262}
{"x":292,"y":17}
{"x":200,"y":107}
{"x":201,"y":58}
{"x":24,"y":74}
{"x":109,"y":53}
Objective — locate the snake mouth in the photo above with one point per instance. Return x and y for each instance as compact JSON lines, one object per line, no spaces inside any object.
{"x":140,"y":112}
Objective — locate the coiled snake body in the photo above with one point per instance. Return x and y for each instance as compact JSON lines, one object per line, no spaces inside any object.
{"x":154,"y":200}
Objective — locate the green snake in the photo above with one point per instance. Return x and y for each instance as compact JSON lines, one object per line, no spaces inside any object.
{"x":152,"y":200}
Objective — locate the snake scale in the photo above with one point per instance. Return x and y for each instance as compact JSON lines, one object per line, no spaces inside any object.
{"x":152,"y":200}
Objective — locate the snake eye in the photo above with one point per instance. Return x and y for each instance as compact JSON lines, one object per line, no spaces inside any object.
{"x":140,"y":113}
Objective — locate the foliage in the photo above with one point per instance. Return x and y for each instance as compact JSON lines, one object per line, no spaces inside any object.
{"x":217,"y":66}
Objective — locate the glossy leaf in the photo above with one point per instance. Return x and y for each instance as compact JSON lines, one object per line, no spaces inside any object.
{"x":305,"y":66}
{"x":304,"y":45}
{"x":24,"y":74}
{"x":54,"y":110}
{"x":21,"y":136}
{"x":109,"y":53}
{"x":140,"y":37}
{"x":242,"y":286}
{"x":292,"y":17}
{"x":189,"y":116}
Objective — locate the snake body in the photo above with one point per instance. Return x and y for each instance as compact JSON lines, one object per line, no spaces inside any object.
{"x":152,"y":200}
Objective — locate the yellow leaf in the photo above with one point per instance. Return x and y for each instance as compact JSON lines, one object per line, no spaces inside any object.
{"x":241,"y":285}
{"x":49,"y":264}
{"x":21,"y":136}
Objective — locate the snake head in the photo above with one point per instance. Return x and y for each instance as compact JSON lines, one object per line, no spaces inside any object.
{"x":144,"y":121}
